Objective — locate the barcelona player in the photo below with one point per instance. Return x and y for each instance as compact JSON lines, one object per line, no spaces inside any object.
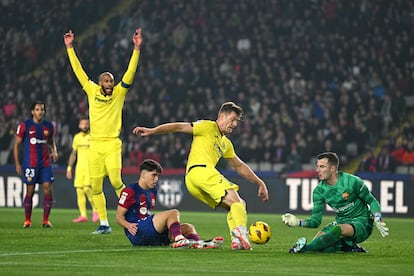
{"x":357,"y":211}
{"x":203,"y":180}
{"x":39,"y":150}
{"x":82,"y":182}
{"x":142,"y":227}
{"x":106,"y":101}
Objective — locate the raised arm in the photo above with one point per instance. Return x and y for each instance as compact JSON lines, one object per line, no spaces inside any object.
{"x":137,"y":39}
{"x":164,"y":128}
{"x":80,"y":74}
{"x":129,"y":75}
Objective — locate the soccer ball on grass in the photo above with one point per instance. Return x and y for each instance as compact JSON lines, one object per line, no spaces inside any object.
{"x":260,"y":232}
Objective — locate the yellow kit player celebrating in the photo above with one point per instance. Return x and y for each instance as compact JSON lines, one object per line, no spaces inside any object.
{"x":82,"y":182}
{"x":203,"y":180}
{"x":106,"y":101}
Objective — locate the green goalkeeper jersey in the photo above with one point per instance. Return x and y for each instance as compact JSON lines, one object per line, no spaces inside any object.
{"x":349,"y":198}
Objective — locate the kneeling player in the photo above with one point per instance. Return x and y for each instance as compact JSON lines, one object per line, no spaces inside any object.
{"x":356,"y":208}
{"x":142,"y":228}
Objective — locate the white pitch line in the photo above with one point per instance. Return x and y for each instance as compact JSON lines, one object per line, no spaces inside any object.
{"x":67,"y":252}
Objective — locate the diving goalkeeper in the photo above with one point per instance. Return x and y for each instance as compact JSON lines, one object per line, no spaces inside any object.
{"x":349,"y":197}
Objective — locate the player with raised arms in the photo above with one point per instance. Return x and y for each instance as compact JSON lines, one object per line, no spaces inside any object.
{"x":106,"y":101}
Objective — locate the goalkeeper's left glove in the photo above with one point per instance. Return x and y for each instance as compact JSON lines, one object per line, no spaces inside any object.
{"x":381,"y":226}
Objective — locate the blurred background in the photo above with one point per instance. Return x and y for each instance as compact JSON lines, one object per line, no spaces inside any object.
{"x":311,"y":75}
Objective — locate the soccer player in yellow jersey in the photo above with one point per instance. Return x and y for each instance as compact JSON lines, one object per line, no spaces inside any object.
{"x":106,"y":101}
{"x":82,"y":182}
{"x":203,"y":180}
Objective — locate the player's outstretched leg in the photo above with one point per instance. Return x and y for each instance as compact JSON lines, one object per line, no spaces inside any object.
{"x":299,"y":246}
{"x":210,"y":244}
{"x":185,"y":243}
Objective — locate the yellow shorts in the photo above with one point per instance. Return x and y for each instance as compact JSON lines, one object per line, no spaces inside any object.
{"x":82,"y":177}
{"x":208,"y":185}
{"x":105,"y":154}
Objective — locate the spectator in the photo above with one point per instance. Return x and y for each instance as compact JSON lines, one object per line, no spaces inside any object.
{"x":368,"y":163}
{"x":385,"y":161}
{"x":331,"y":43}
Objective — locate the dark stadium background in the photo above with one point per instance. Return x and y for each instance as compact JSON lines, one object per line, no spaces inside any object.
{"x":311,"y":75}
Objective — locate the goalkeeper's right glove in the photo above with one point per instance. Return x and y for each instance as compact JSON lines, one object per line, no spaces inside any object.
{"x":291,"y":220}
{"x":380,"y":224}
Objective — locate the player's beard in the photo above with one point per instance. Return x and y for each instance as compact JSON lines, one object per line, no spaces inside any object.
{"x":107,"y":90}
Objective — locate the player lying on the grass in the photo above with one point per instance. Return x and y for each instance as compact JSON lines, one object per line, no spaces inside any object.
{"x":134,"y":213}
{"x":349,"y":197}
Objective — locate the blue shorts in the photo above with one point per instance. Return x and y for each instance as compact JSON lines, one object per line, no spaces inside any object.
{"x":39,"y":175}
{"x":147,"y":235}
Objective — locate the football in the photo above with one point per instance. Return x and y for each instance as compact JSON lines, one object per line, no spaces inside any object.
{"x":260,"y":232}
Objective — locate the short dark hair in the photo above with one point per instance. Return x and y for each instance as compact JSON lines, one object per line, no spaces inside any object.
{"x":333,"y":159}
{"x":150,"y":165}
{"x":228,"y":107}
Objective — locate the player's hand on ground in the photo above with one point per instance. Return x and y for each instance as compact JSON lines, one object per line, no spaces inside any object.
{"x":380,"y":224}
{"x":290,"y":220}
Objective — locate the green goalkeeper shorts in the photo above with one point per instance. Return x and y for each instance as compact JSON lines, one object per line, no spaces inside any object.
{"x":362,"y":227}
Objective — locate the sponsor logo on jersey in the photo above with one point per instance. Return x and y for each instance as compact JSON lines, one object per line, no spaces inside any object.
{"x":35,"y":141}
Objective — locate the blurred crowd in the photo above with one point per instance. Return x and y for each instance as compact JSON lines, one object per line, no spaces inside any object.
{"x":311,"y":75}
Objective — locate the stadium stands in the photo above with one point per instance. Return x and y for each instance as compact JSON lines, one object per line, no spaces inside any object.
{"x":311,"y":75}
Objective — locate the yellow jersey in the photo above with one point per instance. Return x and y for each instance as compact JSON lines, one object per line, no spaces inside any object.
{"x":80,"y":143}
{"x":208,"y":145}
{"x":105,"y":112}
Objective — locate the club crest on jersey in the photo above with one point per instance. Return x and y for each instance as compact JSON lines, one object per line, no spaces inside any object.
{"x":345,"y":195}
{"x":170,"y":192}
{"x":45,"y":132}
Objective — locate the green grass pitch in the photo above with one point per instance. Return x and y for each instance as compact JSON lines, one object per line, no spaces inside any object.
{"x":70,"y":249}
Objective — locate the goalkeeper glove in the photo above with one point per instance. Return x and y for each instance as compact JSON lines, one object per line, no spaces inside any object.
{"x":381,"y":226}
{"x":291,"y":220}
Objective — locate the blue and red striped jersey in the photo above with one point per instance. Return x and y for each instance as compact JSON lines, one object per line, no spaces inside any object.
{"x":36,"y":138}
{"x":139,"y":202}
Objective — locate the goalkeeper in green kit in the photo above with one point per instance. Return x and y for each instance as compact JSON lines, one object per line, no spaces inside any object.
{"x":356,"y":209}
